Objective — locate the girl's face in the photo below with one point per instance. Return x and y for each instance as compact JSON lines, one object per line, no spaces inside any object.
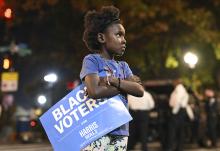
{"x":115,"y":42}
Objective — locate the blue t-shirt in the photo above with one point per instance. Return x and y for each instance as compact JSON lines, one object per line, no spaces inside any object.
{"x":94,"y":63}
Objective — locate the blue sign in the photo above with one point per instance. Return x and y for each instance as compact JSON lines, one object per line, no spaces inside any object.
{"x":77,"y":120}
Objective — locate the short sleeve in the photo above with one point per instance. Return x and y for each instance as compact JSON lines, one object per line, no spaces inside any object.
{"x":127,"y":71}
{"x":89,"y":66}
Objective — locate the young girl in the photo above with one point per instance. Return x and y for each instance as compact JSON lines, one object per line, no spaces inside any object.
{"x":104,"y":35}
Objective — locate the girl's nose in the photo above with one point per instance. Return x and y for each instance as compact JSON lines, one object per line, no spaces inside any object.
{"x":124,"y":41}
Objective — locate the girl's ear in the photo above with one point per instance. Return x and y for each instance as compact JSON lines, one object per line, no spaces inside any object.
{"x":101,"y":37}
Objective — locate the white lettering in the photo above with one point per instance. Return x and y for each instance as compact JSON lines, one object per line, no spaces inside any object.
{"x":57,"y":114}
{"x":89,"y":130}
{"x":59,"y":128}
{"x":79,"y":106}
{"x":72,"y":102}
{"x":64,"y":110}
{"x":75,"y":114}
{"x":82,"y":132}
{"x":82,"y":110}
{"x":91,"y":104}
{"x":67,"y":121}
{"x":78,"y":96}
{"x":91,"y":134}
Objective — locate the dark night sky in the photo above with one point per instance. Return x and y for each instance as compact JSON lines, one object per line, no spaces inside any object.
{"x":154,"y":30}
{"x":53,"y":43}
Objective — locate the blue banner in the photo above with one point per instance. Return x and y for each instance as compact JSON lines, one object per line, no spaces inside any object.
{"x":76,"y":120}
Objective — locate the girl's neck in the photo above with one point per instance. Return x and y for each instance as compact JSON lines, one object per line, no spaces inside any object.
{"x":107,"y":55}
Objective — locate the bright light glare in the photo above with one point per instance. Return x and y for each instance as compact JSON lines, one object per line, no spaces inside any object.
{"x":42,"y":99}
{"x":191,"y":59}
{"x":8,"y":13}
{"x":52,"y":77}
{"x":38,"y":112}
{"x":6,"y":63}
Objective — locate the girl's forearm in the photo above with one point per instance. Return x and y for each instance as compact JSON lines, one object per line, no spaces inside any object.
{"x":104,"y":92}
{"x":129,"y":87}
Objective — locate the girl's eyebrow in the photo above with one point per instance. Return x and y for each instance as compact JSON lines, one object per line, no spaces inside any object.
{"x":121,"y":32}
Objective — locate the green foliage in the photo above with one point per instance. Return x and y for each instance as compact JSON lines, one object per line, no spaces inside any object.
{"x":158,"y":33}
{"x":171,"y":62}
{"x":217,"y":51}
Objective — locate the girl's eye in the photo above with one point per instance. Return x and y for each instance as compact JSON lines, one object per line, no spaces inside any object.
{"x":118,"y":35}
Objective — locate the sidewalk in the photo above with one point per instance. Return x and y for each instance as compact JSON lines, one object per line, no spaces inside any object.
{"x":155,"y":146}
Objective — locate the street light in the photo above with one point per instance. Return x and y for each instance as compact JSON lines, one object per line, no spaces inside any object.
{"x":51,"y":78}
{"x":41,"y":99}
{"x":191,"y":59}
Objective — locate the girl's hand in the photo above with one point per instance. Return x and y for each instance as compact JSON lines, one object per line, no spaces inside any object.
{"x":134,"y":78}
{"x":103,"y":81}
{"x":113,"y":81}
{"x":108,"y":81}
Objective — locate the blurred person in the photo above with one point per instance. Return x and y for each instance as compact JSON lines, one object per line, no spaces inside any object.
{"x":195,"y":123}
{"x":104,"y":35}
{"x":163,"y":120}
{"x":139,"y":109}
{"x":7,"y":123}
{"x":211,"y":108}
{"x":179,"y":111}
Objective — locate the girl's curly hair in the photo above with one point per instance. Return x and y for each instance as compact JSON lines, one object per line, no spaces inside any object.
{"x":96,"y":22}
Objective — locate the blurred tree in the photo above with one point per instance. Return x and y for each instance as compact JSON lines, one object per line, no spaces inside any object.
{"x":158,"y":33}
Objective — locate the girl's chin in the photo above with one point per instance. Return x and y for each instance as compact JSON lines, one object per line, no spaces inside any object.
{"x":120,"y":54}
